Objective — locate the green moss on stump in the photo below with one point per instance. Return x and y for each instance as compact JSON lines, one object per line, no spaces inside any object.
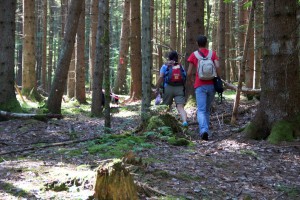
{"x":281,"y":131}
{"x":154,"y":122}
{"x":13,"y":105}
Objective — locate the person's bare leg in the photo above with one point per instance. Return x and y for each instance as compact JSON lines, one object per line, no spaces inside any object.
{"x":182,"y":112}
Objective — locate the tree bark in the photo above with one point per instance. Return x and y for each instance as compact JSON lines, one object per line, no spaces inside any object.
{"x":258,"y":42}
{"x":280,"y":96}
{"x":105,"y":44}
{"x":146,"y":59}
{"x":221,"y":31}
{"x":241,"y":69}
{"x":173,"y":30}
{"x":113,"y":181}
{"x":61,"y":73}
{"x":135,"y":55}
{"x":29,"y":82}
{"x":80,"y":59}
{"x":93,"y":33}
{"x":194,"y":27}
{"x":8,"y":100}
{"x":120,"y":81}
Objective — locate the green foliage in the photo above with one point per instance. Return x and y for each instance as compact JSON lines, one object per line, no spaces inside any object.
{"x":178,"y":141}
{"x":118,"y":145}
{"x":10,"y":188}
{"x":154,"y":123}
{"x":12,"y":105}
{"x":291,"y":191}
{"x":281,"y":131}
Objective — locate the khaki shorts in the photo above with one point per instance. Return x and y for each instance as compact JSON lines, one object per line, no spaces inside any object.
{"x":173,"y":92}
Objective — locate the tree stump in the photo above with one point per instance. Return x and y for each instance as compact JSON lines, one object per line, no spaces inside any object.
{"x":114,"y":182}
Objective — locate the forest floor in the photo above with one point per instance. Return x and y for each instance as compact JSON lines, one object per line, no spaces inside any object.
{"x":33,"y":165}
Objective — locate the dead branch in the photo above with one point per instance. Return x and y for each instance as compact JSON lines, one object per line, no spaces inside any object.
{"x":226,"y":114}
{"x":10,"y":115}
{"x":147,"y":190}
{"x":50,"y":145}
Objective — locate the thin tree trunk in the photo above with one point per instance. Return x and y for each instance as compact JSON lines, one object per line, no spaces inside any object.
{"x":195,"y":26}
{"x":80,"y":59}
{"x":173,"y":30}
{"x":135,"y":55}
{"x":93,"y":32}
{"x":221,"y":31}
{"x":29,"y":83}
{"x":120,"y":81}
{"x":61,"y":73}
{"x":51,"y":45}
{"x":105,"y":44}
{"x":242,"y":66}
{"x":44,"y":47}
{"x":258,"y":43}
{"x":146,"y":59}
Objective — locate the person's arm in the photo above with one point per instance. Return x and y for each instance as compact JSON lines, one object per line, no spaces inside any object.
{"x":218,"y":68}
{"x":190,"y":72}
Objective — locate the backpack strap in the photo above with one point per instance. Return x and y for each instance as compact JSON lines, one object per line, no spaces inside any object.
{"x":198,"y":56}
{"x":209,"y":55}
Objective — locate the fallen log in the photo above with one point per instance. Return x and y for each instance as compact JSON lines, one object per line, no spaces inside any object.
{"x":244,"y":89}
{"x":42,"y":117}
{"x":50,"y":145}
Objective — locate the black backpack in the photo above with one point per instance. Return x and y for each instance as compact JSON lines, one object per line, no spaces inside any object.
{"x":218,"y":84}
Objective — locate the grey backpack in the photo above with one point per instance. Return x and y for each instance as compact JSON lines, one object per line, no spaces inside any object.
{"x":206,"y":68}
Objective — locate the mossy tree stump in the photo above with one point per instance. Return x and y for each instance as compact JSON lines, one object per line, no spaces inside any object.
{"x":114,"y":182}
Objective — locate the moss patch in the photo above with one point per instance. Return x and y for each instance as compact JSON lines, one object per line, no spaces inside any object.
{"x":11,"y":105}
{"x":281,"y":131}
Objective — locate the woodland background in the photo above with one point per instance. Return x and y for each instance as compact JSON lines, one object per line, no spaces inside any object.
{"x":57,"y":51}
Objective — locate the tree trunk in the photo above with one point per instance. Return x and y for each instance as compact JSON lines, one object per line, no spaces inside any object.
{"x":280,"y":96}
{"x":51,"y":45}
{"x":113,"y":181}
{"x":105,"y":44}
{"x":221,"y":31}
{"x":80,"y":59}
{"x":44,"y":47}
{"x":93,"y":33}
{"x":120,"y":81}
{"x":173,"y":30}
{"x":194,"y":27}
{"x":258,"y":43}
{"x":61,"y":73}
{"x":146,"y":59}
{"x":241,"y":69}
{"x":227,"y":41}
{"x":180,"y":30}
{"x":8,"y":100}
{"x":29,"y":84}
{"x":101,"y":64}
{"x":71,"y":76}
{"x":135,"y":55}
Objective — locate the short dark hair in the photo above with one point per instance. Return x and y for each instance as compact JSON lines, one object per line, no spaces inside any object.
{"x":202,"y":40}
{"x":173,"y":55}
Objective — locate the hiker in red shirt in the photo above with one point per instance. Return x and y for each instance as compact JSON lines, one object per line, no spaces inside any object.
{"x":204,"y":87}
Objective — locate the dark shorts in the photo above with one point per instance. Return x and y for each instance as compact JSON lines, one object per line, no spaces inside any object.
{"x":173,"y":92}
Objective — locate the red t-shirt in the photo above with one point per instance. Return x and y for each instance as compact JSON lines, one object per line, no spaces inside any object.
{"x":192,"y":59}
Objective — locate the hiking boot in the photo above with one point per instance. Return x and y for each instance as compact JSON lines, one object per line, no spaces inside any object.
{"x":204,"y":136}
{"x":184,"y":124}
